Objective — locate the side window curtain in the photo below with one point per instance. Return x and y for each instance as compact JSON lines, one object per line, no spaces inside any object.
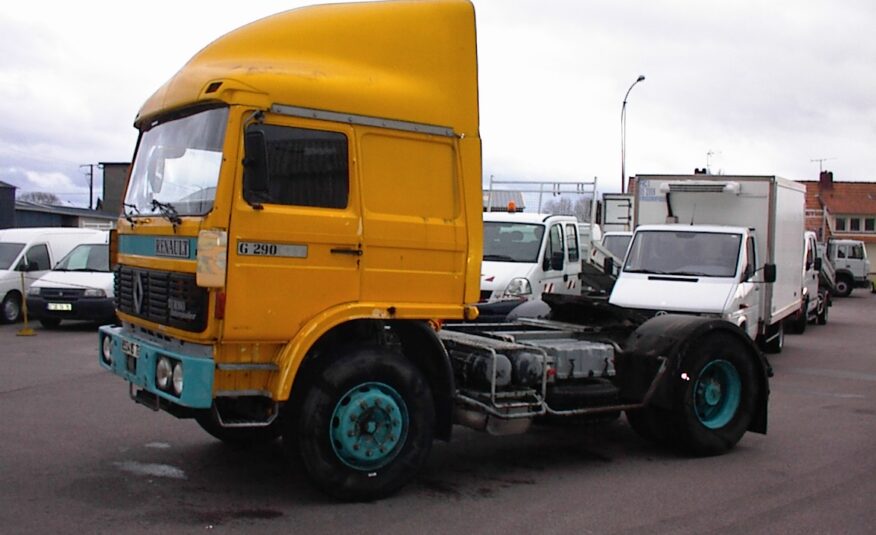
{"x":306,"y":167}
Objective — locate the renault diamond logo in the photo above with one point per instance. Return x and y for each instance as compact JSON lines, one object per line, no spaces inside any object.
{"x":138,"y":292}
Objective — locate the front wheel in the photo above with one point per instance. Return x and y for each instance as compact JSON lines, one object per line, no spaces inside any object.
{"x":366,"y":425}
{"x":821,"y":311}
{"x":10,"y":308}
{"x":719,"y":396}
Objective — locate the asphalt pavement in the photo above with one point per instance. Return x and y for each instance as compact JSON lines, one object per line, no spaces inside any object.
{"x":77,"y":455}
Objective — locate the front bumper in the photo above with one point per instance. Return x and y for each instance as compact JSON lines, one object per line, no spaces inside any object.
{"x":101,"y":309}
{"x":197,"y":391}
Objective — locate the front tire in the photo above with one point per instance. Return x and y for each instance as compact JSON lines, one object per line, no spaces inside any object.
{"x":821,"y":312}
{"x":719,"y":398}
{"x":366,"y":425}
{"x":10,"y":308}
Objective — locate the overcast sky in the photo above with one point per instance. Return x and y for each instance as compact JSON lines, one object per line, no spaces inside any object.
{"x":765,"y":87}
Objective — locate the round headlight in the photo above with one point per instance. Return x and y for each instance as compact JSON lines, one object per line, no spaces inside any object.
{"x":178,"y":378}
{"x":163,"y":373}
{"x":106,"y":350}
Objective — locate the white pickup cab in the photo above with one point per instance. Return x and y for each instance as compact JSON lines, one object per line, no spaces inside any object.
{"x":527,"y":254}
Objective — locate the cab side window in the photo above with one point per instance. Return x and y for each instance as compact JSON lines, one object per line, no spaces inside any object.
{"x":572,"y":241}
{"x":36,"y":259}
{"x":554,"y":247}
{"x":303,"y":167}
{"x":750,"y":255}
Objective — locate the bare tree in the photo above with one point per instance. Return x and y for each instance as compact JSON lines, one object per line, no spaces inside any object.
{"x":40,"y":197}
{"x":580,"y":208}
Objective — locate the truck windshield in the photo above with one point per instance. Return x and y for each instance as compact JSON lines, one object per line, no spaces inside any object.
{"x":177,"y":165}
{"x":701,"y":254}
{"x":512,"y":242}
{"x":8,"y":254}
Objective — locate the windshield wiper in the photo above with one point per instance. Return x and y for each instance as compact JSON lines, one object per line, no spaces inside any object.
{"x":127,"y":215}
{"x":498,"y":257}
{"x":168,"y":211}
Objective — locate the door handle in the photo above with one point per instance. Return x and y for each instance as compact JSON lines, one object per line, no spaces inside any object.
{"x":351,"y":252}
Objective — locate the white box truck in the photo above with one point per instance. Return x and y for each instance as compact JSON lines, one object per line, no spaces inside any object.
{"x":723,"y":246}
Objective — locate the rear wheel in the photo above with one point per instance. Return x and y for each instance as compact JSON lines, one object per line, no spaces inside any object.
{"x":798,"y":324}
{"x":719,"y":397}
{"x":10,"y":308}
{"x":653,"y":424}
{"x":843,"y":286}
{"x":366,"y":425}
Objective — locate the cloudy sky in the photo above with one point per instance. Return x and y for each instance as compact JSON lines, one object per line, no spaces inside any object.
{"x":747,"y":87}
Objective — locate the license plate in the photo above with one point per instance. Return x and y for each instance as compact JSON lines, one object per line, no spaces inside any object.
{"x":60,"y":306}
{"x":131,"y":349}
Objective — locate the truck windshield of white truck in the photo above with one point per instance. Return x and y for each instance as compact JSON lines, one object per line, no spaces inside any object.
{"x":512,"y":242}
{"x":700,"y":254}
{"x":176,"y":167}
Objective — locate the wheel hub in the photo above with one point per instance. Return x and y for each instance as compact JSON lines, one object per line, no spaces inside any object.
{"x":717,"y":394}
{"x":369,"y":424}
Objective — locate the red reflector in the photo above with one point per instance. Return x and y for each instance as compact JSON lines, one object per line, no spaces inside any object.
{"x":219,"y":312}
{"x":552,"y":372}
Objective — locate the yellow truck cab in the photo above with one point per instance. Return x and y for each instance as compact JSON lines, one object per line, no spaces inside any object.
{"x":304,"y":201}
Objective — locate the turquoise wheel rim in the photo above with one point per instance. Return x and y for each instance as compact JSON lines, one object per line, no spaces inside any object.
{"x":717,"y":393}
{"x":369,"y":426}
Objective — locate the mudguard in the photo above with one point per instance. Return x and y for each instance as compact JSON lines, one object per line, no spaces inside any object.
{"x":671,"y":336}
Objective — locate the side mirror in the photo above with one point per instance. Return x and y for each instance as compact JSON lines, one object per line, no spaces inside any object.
{"x":557,"y":261}
{"x":608,"y":265}
{"x":255,"y":169}
{"x":817,"y":264}
{"x":769,"y":273}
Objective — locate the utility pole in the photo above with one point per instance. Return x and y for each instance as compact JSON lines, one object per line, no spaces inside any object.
{"x":90,"y":174}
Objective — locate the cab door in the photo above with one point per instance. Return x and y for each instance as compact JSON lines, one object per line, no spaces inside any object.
{"x":750,"y":293}
{"x":294,"y":242}
{"x":554,"y":261}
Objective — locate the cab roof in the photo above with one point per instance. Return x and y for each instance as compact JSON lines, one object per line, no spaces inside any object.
{"x":413,"y":61}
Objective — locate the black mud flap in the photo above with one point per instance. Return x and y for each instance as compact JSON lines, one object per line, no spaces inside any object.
{"x":672,"y":336}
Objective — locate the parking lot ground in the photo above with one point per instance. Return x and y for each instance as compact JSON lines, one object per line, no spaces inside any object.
{"x":76,"y":454}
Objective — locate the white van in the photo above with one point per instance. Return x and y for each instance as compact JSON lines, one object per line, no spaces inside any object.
{"x":528,"y":254}
{"x":80,"y":287}
{"x":26,"y":254}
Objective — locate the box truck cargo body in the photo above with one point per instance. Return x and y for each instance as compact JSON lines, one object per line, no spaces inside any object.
{"x":695,"y":221}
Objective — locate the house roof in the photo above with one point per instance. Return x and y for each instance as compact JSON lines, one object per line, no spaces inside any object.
{"x":6,"y":185}
{"x":842,"y":198}
{"x":64,"y":210}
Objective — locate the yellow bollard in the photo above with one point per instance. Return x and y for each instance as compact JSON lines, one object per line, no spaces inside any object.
{"x":24,"y":331}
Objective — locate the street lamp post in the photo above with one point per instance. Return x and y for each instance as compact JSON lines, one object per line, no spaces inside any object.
{"x":641,"y":78}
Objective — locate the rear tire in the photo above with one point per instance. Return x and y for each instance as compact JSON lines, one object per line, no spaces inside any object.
{"x":719,"y":399}
{"x":366,"y":425}
{"x":798,"y":324}
{"x":653,"y":424}
{"x":843,"y":286}
{"x":10,"y":308}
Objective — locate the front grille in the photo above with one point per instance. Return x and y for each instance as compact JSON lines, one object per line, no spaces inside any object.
{"x":62,"y":294}
{"x":164,"y":297}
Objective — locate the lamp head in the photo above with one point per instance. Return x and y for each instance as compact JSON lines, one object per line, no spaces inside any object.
{"x":641,"y":78}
